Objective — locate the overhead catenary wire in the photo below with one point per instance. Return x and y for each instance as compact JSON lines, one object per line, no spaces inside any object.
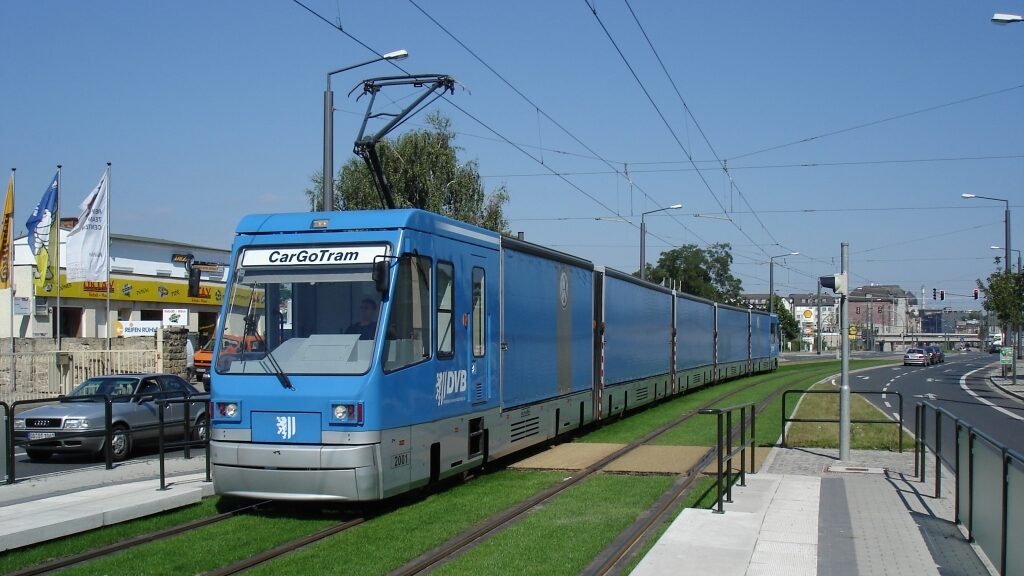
{"x":668,"y":126}
{"x":722,"y":163}
{"x":484,"y":125}
{"x":880,"y":121}
{"x":540,"y":111}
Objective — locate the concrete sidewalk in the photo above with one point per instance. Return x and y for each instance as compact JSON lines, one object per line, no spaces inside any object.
{"x":56,"y":505}
{"x":807,"y":513}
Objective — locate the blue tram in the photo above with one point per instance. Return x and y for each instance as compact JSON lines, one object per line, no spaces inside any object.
{"x":363,"y":354}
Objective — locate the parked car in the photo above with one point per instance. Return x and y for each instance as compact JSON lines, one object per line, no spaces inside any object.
{"x":58,"y":427}
{"x":917,"y":356}
{"x":937,"y":355}
{"x":993,"y":349}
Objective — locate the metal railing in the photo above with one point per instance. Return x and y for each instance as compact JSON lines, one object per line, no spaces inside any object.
{"x":989,"y":497}
{"x":13,"y":442}
{"x":898,"y":423}
{"x":726,"y":452}
{"x":161,"y":398}
{"x":188,"y":442}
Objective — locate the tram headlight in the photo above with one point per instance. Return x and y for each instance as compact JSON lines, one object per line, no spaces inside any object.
{"x":227,"y":409}
{"x":348,"y":413}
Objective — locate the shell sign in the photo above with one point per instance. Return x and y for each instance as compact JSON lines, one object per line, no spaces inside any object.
{"x":808,"y":314}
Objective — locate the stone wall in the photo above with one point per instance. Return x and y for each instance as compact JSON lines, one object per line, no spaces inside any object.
{"x":39,"y":372}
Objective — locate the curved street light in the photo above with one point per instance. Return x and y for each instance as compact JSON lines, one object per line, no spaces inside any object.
{"x":643,"y":237}
{"x":327,"y":182}
{"x":1011,"y":250}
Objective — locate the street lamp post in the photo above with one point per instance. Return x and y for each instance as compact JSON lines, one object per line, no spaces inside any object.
{"x":771,"y":279}
{"x":643,"y":238}
{"x":1006,"y":248}
{"x":327,"y":183}
{"x":1011,"y":250}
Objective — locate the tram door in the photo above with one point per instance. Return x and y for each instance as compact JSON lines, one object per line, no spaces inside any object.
{"x":481,"y":339}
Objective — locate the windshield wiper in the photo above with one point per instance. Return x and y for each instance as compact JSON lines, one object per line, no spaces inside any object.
{"x":250,"y":329}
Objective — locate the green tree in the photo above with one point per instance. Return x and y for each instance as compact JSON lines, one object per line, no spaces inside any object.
{"x":1004,"y":297}
{"x":424,"y":171}
{"x":790,"y":327}
{"x":703,"y":272}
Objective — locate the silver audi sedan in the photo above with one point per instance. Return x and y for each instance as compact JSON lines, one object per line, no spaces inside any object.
{"x":58,"y":428}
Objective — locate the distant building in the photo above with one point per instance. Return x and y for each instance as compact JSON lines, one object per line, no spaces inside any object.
{"x":760,"y":301}
{"x":148,"y":283}
{"x":805,"y":310}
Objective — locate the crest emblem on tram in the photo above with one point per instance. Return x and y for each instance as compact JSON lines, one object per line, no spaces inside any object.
{"x":286,"y":427}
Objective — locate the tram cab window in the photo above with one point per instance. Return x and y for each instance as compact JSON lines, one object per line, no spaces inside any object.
{"x":407,"y":338}
{"x":295,"y":321}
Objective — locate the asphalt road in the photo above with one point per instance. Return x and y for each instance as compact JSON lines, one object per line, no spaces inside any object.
{"x":959,"y":385}
{"x":24,"y":468}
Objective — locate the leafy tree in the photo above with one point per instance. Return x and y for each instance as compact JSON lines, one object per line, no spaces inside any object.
{"x":1004,"y":297}
{"x":790,"y":327}
{"x":424,"y":172}
{"x":699,"y":271}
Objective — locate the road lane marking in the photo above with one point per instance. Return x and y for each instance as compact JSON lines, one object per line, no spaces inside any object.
{"x":963,"y":384}
{"x":887,"y":405}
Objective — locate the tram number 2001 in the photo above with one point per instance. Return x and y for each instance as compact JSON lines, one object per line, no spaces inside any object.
{"x":398,"y":460}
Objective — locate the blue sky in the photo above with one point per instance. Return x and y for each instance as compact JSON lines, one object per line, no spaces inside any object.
{"x":212,"y":110}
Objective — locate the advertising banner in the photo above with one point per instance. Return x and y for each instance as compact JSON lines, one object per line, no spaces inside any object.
{"x":176,"y":317}
{"x":137,"y":328}
{"x":168,"y":290}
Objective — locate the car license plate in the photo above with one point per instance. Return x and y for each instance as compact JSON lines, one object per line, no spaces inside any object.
{"x":40,"y":435}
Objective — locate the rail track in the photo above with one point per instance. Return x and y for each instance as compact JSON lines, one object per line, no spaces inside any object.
{"x":484,"y":531}
{"x":68,"y":561}
{"x":611,"y":560}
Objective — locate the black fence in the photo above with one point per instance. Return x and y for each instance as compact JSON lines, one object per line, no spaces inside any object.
{"x":989,"y":492}
{"x":194,"y":435}
{"x":23,"y":436}
{"x":898,"y":423}
{"x":726,"y":452}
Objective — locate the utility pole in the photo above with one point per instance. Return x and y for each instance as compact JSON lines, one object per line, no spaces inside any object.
{"x":817,"y":333}
{"x":844,"y":388}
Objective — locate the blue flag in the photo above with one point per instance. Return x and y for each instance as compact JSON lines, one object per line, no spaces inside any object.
{"x":42,"y":235}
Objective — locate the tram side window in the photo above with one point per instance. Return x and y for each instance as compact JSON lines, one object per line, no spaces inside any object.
{"x":408,"y":333}
{"x":479,"y":318}
{"x":445,"y":309}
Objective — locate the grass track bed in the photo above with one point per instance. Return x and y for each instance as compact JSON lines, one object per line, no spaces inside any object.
{"x":387,"y":542}
{"x":205,"y":548}
{"x":567,"y":533}
{"x":13,"y":560}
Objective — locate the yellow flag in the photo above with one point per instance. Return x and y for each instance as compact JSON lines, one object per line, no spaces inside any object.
{"x":5,"y":236}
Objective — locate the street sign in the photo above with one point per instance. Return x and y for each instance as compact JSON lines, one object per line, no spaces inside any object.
{"x":853,"y":330}
{"x":1006,"y":356}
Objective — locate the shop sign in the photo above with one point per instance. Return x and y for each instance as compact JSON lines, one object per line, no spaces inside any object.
{"x":164,"y":290}
{"x":136,"y":328}
{"x":176,"y":317}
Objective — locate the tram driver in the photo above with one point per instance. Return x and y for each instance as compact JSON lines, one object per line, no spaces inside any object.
{"x":366,"y":326}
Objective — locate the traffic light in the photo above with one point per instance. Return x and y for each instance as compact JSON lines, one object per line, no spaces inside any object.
{"x":935,"y":295}
{"x":193,"y":282}
{"x":942,"y":294}
{"x":975,"y":293}
{"x":835,"y":283}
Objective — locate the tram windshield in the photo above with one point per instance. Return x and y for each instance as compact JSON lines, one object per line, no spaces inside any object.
{"x":308,"y":320}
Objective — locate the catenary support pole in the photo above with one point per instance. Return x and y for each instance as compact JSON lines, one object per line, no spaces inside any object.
{"x":844,"y":389}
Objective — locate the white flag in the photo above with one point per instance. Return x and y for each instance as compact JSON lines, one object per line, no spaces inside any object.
{"x":87,"y":243}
